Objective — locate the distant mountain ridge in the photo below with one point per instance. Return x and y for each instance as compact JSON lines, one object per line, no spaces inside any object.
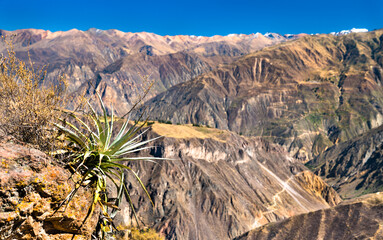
{"x":305,"y":94}
{"x":114,"y":61}
{"x":353,"y":30}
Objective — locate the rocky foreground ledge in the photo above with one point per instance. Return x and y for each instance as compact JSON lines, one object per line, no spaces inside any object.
{"x":31,"y":187}
{"x":360,"y":218}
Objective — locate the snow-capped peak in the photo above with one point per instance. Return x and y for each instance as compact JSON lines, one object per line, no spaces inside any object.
{"x":353,"y":30}
{"x":358,"y":30}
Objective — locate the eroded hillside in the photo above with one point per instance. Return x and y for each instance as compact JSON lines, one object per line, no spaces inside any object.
{"x":305,"y":95}
{"x":221,"y":185}
{"x":359,"y":218}
{"x":353,"y":167}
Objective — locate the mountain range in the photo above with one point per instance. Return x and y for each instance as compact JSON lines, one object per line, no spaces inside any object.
{"x":305,"y":95}
{"x":116,"y":63}
{"x":272,"y":136}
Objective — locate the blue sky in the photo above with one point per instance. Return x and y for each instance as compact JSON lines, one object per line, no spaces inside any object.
{"x":198,"y":17}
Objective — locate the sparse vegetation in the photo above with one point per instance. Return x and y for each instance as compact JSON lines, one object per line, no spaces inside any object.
{"x":31,"y":110}
{"x":27,"y":103}
{"x":315,"y":118}
{"x":188,"y":131}
{"x":165,"y":121}
{"x":144,"y":234}
{"x":149,"y":123}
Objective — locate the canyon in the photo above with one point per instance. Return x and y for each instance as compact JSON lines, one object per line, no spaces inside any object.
{"x":270,"y":136}
{"x":220,"y":184}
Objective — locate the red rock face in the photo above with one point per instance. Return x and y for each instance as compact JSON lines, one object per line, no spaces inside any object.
{"x":31,"y":187}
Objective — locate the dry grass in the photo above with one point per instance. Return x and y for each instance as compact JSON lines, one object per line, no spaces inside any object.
{"x":143,"y":234}
{"x":188,"y":131}
{"x":27,"y":103}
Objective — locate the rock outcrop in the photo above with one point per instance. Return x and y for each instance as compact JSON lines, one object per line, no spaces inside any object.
{"x":31,"y":187}
{"x":360,"y":218}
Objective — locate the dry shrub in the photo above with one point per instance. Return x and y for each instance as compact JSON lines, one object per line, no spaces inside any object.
{"x":143,"y":234}
{"x":28,"y":104}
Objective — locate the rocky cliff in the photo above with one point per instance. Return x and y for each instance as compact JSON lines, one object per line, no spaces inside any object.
{"x":220,"y":185}
{"x":360,"y":218}
{"x":31,"y":188}
{"x":353,"y":167}
{"x":305,"y":94}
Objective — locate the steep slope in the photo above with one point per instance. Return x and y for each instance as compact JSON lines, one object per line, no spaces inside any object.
{"x":355,"y":219}
{"x":114,"y":61}
{"x":221,"y":185}
{"x":121,"y":81}
{"x":353,"y":167}
{"x":305,"y":94}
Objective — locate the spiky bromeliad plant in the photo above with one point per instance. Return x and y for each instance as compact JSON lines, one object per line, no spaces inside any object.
{"x":97,"y":159}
